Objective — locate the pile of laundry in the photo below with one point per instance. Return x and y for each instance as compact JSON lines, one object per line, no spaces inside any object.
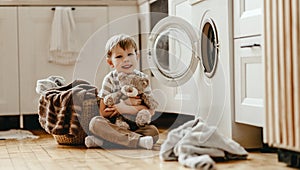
{"x":194,"y":144}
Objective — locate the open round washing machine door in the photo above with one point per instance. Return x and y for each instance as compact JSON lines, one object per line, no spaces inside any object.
{"x":173,"y":52}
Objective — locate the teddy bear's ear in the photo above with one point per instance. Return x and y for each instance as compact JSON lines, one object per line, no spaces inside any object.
{"x":145,"y":82}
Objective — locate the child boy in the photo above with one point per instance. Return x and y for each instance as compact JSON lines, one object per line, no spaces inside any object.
{"x":122,"y":56}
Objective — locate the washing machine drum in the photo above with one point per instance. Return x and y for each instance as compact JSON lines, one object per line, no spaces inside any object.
{"x":175,"y":49}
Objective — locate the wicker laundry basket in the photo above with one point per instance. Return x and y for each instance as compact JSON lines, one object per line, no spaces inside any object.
{"x":90,"y":109}
{"x":70,"y":139}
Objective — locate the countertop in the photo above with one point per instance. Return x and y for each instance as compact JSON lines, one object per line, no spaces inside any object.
{"x":66,"y":2}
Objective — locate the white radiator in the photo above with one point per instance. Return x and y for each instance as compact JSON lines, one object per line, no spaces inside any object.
{"x":282,"y":63}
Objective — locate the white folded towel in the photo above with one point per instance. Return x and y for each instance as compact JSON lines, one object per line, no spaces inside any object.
{"x":43,"y":85}
{"x":63,"y":40}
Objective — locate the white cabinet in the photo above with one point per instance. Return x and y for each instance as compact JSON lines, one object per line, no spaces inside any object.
{"x":249,"y":81}
{"x":34,"y":38}
{"x":9,"y":72}
{"x":248,"y":18}
{"x":181,"y":8}
{"x":248,"y":59}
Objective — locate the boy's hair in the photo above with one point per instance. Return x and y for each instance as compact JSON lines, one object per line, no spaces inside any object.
{"x":123,"y":40}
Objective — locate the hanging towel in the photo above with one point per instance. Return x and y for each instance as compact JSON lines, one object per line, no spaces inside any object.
{"x":63,"y":40}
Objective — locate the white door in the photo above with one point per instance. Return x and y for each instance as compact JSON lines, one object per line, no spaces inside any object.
{"x":9,"y":72}
{"x":249,"y":81}
{"x":173,"y":59}
{"x":173,"y":54}
{"x":34,"y":31}
{"x":248,"y":15}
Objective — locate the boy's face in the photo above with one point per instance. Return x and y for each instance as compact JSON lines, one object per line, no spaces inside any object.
{"x":123,"y":60}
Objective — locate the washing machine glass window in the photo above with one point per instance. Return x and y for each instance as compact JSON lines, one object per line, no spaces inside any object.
{"x":209,"y":47}
{"x":172,"y":51}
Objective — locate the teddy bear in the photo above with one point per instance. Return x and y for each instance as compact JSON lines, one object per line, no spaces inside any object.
{"x":132,"y":85}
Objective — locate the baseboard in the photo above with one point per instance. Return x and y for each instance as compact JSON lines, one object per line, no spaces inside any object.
{"x":167,"y":120}
{"x":291,"y":158}
{"x":30,"y":122}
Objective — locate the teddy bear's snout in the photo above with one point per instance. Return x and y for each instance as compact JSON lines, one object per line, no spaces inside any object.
{"x":130,"y":90}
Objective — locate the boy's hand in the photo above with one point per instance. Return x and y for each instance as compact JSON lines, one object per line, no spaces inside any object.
{"x":133,"y":101}
{"x":111,"y":111}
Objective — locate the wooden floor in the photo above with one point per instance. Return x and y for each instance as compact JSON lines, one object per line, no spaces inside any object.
{"x":45,"y":153}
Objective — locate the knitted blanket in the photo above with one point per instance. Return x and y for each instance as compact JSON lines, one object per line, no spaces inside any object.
{"x":194,"y":143}
{"x":60,"y":108}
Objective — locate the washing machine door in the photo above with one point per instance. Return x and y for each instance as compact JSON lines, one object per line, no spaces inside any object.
{"x":173,"y":52}
{"x":209,"y":47}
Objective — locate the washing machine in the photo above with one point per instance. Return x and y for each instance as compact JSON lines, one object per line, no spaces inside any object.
{"x":190,"y":54}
